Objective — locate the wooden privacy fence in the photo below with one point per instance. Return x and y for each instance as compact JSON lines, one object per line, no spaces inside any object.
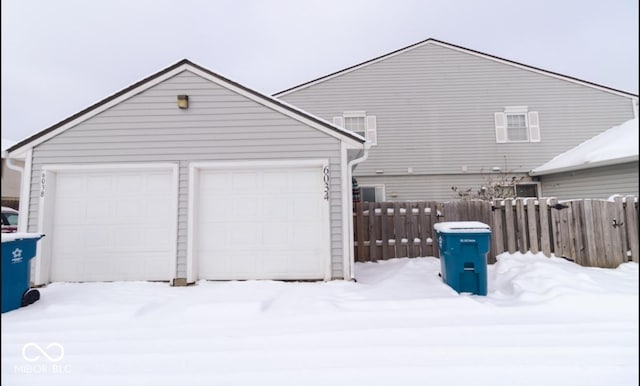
{"x":594,"y":233}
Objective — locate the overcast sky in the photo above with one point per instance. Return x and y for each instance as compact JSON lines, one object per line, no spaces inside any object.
{"x":60,"y":56}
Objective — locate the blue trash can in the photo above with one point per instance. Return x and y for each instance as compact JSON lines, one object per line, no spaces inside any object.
{"x":464,"y":246}
{"x":17,"y":251}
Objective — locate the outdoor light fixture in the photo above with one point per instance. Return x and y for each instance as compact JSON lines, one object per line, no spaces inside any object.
{"x":183,"y":101}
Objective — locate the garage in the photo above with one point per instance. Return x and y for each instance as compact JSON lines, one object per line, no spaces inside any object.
{"x":111,"y":224}
{"x":264,"y":220}
{"x":186,"y":176}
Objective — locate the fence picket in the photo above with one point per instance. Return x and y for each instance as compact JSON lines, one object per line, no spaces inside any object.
{"x":545,"y":237}
{"x":532,"y":223}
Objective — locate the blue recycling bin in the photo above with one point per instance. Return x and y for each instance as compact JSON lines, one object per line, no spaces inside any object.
{"x":463,"y":247}
{"x":17,"y":251}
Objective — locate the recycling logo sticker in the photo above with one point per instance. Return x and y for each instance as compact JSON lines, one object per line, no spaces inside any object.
{"x":17,"y":256}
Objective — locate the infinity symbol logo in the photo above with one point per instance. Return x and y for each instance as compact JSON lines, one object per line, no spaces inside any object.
{"x":57,"y":348}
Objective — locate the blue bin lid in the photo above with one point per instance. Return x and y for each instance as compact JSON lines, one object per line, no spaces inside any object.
{"x":462,"y":227}
{"x":6,"y":237}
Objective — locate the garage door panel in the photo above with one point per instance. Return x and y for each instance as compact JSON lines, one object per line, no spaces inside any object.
{"x":276,"y":208}
{"x":276,"y":234}
{"x":117,"y":225}
{"x":276,"y":182}
{"x":305,"y":182}
{"x":157,"y":209}
{"x":304,"y":207}
{"x":212,"y":182}
{"x":74,"y":210}
{"x":246,"y":209}
{"x":264,"y":223}
{"x":70,"y":186}
{"x":101,"y":185}
{"x":243,"y":182}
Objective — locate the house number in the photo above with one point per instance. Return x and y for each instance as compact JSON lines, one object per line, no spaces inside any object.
{"x":326,"y":182}
{"x":43,"y":181}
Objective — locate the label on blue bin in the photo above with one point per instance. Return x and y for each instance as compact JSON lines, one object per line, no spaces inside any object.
{"x":17,"y":256}
{"x":467,"y":240}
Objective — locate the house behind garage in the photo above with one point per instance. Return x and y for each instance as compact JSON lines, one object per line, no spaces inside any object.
{"x":187,"y":175}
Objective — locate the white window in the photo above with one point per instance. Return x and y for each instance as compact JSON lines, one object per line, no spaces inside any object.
{"x":372,"y":193}
{"x":522,"y":189}
{"x":517,"y":124}
{"x":360,"y":123}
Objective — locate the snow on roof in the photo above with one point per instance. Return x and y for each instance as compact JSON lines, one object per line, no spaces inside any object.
{"x":617,"y":145}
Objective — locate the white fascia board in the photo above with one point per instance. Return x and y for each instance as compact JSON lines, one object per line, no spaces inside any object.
{"x":589,"y":165}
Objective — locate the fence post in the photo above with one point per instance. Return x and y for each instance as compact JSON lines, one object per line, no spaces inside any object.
{"x":631,"y":219}
{"x":361,"y":230}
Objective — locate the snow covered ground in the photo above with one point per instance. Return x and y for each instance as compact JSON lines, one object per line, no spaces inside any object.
{"x":545,"y":321}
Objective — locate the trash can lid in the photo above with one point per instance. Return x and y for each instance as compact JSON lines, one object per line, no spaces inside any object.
{"x":462,"y":227}
{"x":6,"y":237}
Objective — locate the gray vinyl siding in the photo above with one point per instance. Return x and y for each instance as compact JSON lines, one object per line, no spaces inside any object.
{"x":219,"y":125}
{"x":435,"y":112}
{"x":428,"y":187}
{"x":601,"y":182}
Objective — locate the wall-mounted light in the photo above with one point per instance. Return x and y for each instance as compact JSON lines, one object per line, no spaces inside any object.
{"x":183,"y":101}
{"x":379,"y":171}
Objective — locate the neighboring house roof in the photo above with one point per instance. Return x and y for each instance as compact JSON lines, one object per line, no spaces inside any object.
{"x":168,"y":72}
{"x":458,"y":48}
{"x":617,"y":145}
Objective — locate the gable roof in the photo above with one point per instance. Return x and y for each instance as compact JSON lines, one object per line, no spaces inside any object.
{"x":616,"y":145}
{"x":168,"y":72}
{"x":457,"y":48}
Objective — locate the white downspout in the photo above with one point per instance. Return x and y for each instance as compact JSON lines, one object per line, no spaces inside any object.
{"x":22,"y":216}
{"x":350,"y":167}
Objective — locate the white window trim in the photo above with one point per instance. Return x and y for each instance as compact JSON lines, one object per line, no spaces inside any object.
{"x":532,"y":122}
{"x":370,"y":129}
{"x":354,"y":114}
{"x":537,"y":185}
{"x":515,"y":190}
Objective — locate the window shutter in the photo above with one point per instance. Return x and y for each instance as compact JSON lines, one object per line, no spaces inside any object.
{"x":501,"y":127}
{"x":338,"y":121}
{"x":534,"y":126}
{"x":371,"y":134}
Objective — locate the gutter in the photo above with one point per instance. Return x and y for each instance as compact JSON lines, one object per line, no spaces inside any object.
{"x":350,"y":166}
{"x":582,"y":166}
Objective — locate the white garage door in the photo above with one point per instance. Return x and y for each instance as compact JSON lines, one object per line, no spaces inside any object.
{"x":268,"y":222}
{"x":113,"y":225}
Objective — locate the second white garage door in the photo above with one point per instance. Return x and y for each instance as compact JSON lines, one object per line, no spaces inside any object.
{"x":262,"y":221}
